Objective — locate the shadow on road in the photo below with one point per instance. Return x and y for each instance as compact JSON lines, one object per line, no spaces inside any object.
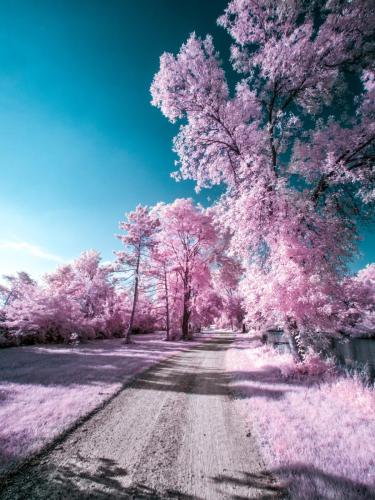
{"x":184,"y":374}
{"x":262,"y":481}
{"x":81,"y":480}
{"x":300,"y":481}
{"x":102,"y":362}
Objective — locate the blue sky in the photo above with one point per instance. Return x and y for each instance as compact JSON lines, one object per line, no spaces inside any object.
{"x":80,"y":143}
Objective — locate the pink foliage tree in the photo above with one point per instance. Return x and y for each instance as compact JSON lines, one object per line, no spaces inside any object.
{"x":79,"y":298}
{"x":359,"y":292}
{"x":207,"y":307}
{"x":298,"y":166}
{"x":88,"y":284}
{"x":140,"y":228}
{"x":13,"y":287}
{"x":227,"y":276}
{"x":186,"y":240}
{"x":161,"y":270}
{"x":41,"y":315}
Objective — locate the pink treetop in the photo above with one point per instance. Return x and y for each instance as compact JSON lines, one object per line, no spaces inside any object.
{"x":187,"y":232}
{"x":289,"y":63}
{"x":15,"y":287}
{"x":139,"y":229}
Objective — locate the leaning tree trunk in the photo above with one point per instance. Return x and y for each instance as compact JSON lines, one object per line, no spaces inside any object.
{"x":135,"y":299}
{"x":295,"y":341}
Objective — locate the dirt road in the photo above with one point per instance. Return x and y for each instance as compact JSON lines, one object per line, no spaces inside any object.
{"x":172,"y":433}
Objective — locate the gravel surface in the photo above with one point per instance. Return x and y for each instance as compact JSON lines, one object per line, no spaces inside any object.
{"x":171,"y":433}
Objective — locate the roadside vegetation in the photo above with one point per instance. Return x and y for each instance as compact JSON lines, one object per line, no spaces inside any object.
{"x":315,"y":425}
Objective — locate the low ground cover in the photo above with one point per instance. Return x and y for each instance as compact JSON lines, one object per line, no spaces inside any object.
{"x":315,"y":428}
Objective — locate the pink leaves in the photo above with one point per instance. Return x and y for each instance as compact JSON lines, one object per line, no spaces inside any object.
{"x":186,"y":243}
{"x":359,"y":292}
{"x":190,"y":82}
{"x":139,"y":226}
{"x":296,"y":180}
{"x":79,"y":297}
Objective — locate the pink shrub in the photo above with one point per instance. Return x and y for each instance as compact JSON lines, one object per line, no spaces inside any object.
{"x":78,"y":297}
{"x":312,"y":366}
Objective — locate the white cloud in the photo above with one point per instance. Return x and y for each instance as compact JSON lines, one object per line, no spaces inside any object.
{"x":30,"y":249}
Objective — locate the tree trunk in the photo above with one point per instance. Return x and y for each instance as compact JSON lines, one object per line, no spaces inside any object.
{"x":186,"y":305}
{"x":185,"y":321}
{"x":186,"y":314}
{"x":166,"y":305}
{"x":243,"y":328}
{"x":127,"y":339}
{"x":295,"y":341}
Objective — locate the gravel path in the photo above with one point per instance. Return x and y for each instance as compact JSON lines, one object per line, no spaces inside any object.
{"x":172,"y":433}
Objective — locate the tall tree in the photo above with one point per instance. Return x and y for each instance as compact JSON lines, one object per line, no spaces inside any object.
{"x":140,"y":228}
{"x":188,"y":236}
{"x":294,"y":144}
{"x":226,"y":283}
{"x":160,"y":270}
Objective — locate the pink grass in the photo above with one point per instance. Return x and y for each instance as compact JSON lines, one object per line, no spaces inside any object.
{"x":44,"y":390}
{"x":317,"y":433}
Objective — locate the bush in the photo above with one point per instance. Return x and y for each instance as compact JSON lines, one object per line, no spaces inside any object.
{"x":313,"y":366}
